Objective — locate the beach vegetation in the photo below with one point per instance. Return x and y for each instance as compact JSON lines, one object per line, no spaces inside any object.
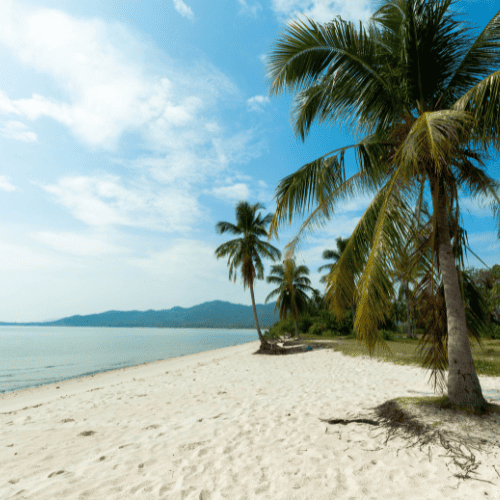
{"x":291,"y":293}
{"x":245,"y":253}
{"x":424,"y":89}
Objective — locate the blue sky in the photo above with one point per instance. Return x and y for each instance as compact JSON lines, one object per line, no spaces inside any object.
{"x":129,"y":128}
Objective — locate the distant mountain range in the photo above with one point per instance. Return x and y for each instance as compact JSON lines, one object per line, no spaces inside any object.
{"x":215,"y":314}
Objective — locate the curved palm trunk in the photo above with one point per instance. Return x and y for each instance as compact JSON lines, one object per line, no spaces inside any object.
{"x":463,"y":384}
{"x":261,"y":338}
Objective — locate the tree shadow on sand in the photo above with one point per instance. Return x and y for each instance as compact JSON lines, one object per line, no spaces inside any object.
{"x":434,"y":420}
{"x":290,"y":347}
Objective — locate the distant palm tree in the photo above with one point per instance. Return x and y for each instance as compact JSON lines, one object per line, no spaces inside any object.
{"x":293,"y":284}
{"x":245,"y":253}
{"x":333,"y":255}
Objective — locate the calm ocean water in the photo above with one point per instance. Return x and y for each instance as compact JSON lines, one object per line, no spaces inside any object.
{"x":31,"y":356}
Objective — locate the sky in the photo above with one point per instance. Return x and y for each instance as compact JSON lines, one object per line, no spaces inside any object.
{"x":129,"y":128}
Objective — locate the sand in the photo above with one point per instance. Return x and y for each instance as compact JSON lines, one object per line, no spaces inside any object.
{"x":226,"y":424}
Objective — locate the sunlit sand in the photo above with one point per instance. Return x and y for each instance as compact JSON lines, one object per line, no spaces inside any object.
{"x":228,"y":424}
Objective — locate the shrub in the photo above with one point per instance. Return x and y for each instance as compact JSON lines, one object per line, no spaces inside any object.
{"x":495,"y":331}
{"x":317,"y":329}
{"x":387,"y":335}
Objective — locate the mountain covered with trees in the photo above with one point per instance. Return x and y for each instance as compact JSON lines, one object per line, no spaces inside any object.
{"x":215,"y":314}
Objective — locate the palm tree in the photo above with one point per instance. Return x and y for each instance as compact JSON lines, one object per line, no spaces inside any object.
{"x":335,"y":256}
{"x":425,"y":89}
{"x":293,"y":284}
{"x":245,"y":252}
{"x":332,"y":255}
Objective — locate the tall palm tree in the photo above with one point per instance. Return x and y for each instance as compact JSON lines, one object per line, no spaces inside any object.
{"x":332,"y":255}
{"x":244,"y":253}
{"x":425,"y":89}
{"x":293,"y":284}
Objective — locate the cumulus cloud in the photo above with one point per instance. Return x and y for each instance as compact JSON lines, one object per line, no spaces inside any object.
{"x":236,"y":192}
{"x":183,"y":9}
{"x":257,"y":102}
{"x":107,"y":87}
{"x":5,"y":184}
{"x":106,"y":201}
{"x":323,"y":11}
{"x":18,"y":131}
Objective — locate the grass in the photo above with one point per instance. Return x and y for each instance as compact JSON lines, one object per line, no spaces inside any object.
{"x":404,"y":351}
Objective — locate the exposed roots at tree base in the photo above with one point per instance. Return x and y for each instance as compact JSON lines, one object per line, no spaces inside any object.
{"x":398,"y":422}
{"x":408,"y":417}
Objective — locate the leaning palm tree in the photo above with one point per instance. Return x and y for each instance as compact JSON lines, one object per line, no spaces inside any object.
{"x":244,"y":253}
{"x":425,"y":89}
{"x":293,"y":285}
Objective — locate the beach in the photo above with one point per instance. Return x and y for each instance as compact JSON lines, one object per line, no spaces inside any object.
{"x":227,"y":424}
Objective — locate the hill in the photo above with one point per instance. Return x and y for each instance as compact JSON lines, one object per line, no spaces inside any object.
{"x":215,"y":314}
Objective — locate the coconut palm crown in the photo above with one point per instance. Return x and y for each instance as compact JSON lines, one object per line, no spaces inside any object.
{"x":293,"y":285}
{"x":423,"y":88}
{"x":245,"y":253}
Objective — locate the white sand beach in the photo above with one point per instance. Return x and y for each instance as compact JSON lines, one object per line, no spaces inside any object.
{"x":226,"y":424}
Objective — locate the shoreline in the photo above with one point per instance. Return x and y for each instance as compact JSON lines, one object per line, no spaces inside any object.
{"x":16,"y":400}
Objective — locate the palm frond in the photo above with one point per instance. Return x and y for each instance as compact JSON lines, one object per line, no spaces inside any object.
{"x":481,"y":58}
{"x":483,"y":102}
{"x":434,"y":138}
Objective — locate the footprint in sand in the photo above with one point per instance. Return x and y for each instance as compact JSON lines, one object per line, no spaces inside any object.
{"x":87,"y":433}
{"x":56,"y":473}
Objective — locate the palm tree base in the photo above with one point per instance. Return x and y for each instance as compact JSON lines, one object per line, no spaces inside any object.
{"x":272,"y":349}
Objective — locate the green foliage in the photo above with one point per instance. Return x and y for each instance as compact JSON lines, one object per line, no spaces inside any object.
{"x":279,"y":328}
{"x":387,"y":335}
{"x":317,"y":329}
{"x":425,"y":89}
{"x":291,"y":292}
{"x":245,"y":253}
{"x":323,"y":323}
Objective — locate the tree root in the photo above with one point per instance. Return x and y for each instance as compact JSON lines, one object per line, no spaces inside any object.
{"x":409,"y":421}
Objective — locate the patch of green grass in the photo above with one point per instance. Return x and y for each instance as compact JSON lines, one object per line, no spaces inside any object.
{"x":404,"y":352}
{"x":443,"y":403}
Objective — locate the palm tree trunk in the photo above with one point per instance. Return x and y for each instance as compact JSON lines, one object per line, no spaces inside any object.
{"x":463,"y":384}
{"x":261,"y":338}
{"x":408,"y":315}
{"x":296,"y":329}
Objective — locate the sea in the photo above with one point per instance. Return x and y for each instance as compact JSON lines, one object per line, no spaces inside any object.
{"x":33,"y":356}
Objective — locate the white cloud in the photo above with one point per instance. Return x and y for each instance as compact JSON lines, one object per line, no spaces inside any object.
{"x":257,"y":102}
{"x":77,"y":244}
{"x":108,"y":87}
{"x":18,"y":131}
{"x":323,"y":11}
{"x":248,"y":9}
{"x":236,"y":192}
{"x":478,"y":207}
{"x":183,"y":9}
{"x":106,"y":202}
{"x":5,"y":184}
